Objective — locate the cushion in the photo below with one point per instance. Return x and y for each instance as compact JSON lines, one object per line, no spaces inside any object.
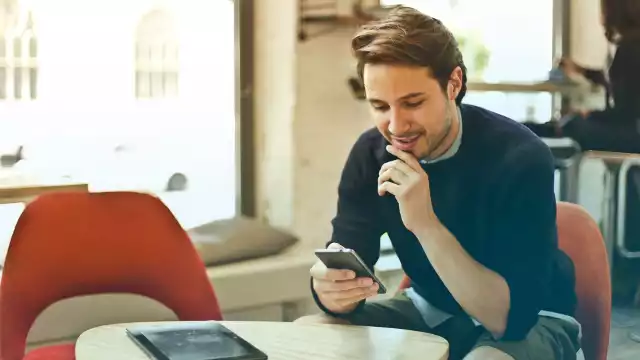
{"x":236,"y":239}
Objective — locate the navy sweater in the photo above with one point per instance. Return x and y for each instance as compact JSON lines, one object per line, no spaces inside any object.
{"x":496,"y":196}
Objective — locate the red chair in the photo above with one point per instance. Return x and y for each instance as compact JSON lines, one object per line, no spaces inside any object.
{"x":74,"y":244}
{"x":580,"y":238}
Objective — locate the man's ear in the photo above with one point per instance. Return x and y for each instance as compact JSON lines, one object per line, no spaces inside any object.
{"x":455,"y":83}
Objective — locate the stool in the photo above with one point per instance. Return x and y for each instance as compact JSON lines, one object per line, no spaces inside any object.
{"x":615,"y":191}
{"x":567,"y":154}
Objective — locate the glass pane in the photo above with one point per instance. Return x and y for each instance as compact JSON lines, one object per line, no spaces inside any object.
{"x":3,"y":47}
{"x":171,"y":84}
{"x":17,"y":48}
{"x":534,"y":107}
{"x":156,"y":54}
{"x":33,"y":83}
{"x":17,"y":83}
{"x":3,"y":83}
{"x":143,"y":84}
{"x":141,"y":51}
{"x":33,"y":47}
{"x":524,"y":56}
{"x":157,"y":84}
{"x":170,"y":53}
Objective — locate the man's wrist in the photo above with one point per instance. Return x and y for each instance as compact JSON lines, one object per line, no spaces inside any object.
{"x":345,"y":311}
{"x":430,"y":230}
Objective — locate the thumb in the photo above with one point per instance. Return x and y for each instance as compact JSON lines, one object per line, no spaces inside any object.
{"x":335,"y":246}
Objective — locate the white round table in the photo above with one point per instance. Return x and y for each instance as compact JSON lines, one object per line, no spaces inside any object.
{"x":286,"y":341}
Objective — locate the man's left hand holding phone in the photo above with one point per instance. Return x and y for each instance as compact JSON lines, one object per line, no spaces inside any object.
{"x":338,"y":289}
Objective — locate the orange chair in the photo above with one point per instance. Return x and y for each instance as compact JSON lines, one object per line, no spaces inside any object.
{"x":74,"y":244}
{"x":580,"y":238}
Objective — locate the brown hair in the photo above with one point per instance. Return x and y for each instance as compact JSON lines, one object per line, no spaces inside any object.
{"x":621,"y":19}
{"x":409,"y":37}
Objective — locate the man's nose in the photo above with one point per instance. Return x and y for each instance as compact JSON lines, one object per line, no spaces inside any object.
{"x":398,"y":124}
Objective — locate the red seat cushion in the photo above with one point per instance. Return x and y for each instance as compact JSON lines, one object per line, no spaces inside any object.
{"x":53,"y":352}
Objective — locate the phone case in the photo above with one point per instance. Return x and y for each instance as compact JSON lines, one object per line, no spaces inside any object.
{"x":348,"y":259}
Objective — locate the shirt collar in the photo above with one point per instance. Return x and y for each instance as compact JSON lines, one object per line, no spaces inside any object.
{"x":452,"y":150}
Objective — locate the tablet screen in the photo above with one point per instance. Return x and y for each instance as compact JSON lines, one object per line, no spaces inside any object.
{"x":196,"y":345}
{"x":189,"y":341}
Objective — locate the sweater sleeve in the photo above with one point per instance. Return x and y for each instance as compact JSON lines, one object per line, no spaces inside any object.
{"x":524,"y":234}
{"x":356,"y":224}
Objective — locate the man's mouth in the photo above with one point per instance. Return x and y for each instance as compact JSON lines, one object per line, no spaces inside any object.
{"x":405,"y":143}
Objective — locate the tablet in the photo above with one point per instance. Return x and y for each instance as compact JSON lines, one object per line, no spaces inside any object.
{"x":208,"y":340}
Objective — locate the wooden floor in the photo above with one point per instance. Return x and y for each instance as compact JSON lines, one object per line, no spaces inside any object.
{"x":625,"y":326}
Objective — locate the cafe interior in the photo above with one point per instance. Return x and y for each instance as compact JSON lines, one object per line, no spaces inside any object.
{"x":182,"y":171}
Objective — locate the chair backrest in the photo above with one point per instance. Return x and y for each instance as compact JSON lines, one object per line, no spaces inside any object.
{"x":74,"y":244}
{"x":580,"y":238}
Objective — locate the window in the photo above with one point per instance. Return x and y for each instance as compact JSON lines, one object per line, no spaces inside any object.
{"x":101,"y":118}
{"x":156,"y":55}
{"x":18,"y":53}
{"x":502,"y":41}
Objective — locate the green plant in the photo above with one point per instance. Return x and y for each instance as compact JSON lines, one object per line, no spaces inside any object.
{"x":475,"y":54}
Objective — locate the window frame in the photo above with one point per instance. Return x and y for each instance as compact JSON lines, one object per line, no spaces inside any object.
{"x":246,"y":180}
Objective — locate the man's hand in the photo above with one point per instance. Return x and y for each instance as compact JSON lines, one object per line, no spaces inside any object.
{"x":338,"y":289}
{"x":406,"y":180}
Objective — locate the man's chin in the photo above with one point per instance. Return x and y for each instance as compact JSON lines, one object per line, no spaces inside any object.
{"x":421,"y":150}
{"x":422,"y":154}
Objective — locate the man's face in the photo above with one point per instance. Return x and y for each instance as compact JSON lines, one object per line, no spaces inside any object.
{"x":409,"y":107}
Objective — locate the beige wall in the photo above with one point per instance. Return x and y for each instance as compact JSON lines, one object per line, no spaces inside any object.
{"x":588,"y":43}
{"x":306,"y":120}
{"x":328,"y":121}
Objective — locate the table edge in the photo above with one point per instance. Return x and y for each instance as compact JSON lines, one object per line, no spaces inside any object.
{"x":432,"y":337}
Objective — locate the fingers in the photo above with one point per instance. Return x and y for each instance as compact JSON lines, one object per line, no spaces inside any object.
{"x":397,"y":164}
{"x":320,"y":272}
{"x":345,"y":298}
{"x":388,"y":187}
{"x":339,"y":289}
{"x":344,"y":293}
{"x":344,"y":285}
{"x":392,"y":174}
{"x":406,"y":157}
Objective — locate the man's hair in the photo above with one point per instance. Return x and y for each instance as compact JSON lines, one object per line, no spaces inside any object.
{"x":408,"y":37}
{"x":621,"y":19}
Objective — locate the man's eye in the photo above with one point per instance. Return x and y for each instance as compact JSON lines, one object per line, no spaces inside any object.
{"x":381,"y":107}
{"x":414,"y":104}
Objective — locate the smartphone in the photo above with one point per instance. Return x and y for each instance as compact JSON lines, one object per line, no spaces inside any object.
{"x":347,"y":259}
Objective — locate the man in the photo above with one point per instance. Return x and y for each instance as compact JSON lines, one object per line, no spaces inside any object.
{"x":467,"y":198}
